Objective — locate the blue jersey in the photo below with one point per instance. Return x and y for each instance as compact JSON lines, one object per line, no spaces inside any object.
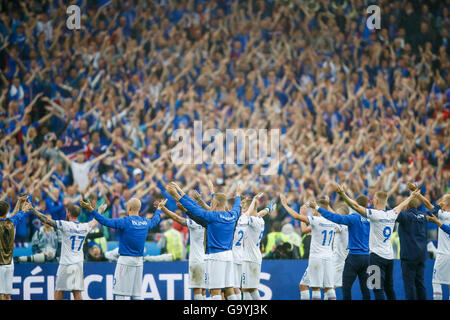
{"x":17,"y":218}
{"x":219,"y":225}
{"x":358,"y":230}
{"x":132,"y":231}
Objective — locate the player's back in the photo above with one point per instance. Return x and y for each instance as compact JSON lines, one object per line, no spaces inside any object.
{"x":252,"y":239}
{"x":197,"y":241}
{"x":132,"y":234}
{"x":443,"y":237}
{"x":322,"y":235}
{"x":381,"y":227}
{"x":238,"y":240}
{"x":73,"y":235}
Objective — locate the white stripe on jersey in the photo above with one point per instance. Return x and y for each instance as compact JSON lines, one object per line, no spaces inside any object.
{"x":197,"y":241}
{"x":238,"y":240}
{"x":252,"y":239}
{"x":322,"y":235}
{"x":381,"y":227}
{"x":73,"y":235}
{"x":443,"y":237}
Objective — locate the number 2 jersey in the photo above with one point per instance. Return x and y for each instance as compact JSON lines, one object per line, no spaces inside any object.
{"x":238,"y":240}
{"x":322,"y":235}
{"x":73,"y":235}
{"x":443,"y":237}
{"x":381,"y":227}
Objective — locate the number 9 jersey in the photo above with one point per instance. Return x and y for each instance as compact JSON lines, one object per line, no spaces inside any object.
{"x":381,"y":227}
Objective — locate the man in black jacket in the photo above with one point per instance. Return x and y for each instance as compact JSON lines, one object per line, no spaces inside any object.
{"x":412,"y":231}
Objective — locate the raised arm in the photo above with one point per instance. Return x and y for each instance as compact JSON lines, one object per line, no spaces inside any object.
{"x":336,"y":218}
{"x":434,"y":219}
{"x":64,"y":157}
{"x":402,"y":205}
{"x":99,"y":158}
{"x":291,"y":211}
{"x":197,"y":197}
{"x":172,"y":215}
{"x":350,"y":202}
{"x":412,"y":187}
{"x":111,"y":223}
{"x":43,"y":218}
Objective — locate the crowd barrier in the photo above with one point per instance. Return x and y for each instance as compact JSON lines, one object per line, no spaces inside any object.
{"x":170,"y":281}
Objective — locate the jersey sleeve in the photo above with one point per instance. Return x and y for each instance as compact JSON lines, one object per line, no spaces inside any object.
{"x":111,"y":223}
{"x":18,"y":217}
{"x":336,"y":218}
{"x":194,"y":210}
{"x":446,"y":228}
{"x":155,"y":220}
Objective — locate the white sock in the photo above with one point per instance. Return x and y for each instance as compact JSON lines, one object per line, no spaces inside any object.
{"x":137,"y":298}
{"x":233,"y":297}
{"x":330,"y":295}
{"x":247,"y":296}
{"x":316,"y":295}
{"x":198,"y":297}
{"x":255,"y":295}
{"x":217,"y":297}
{"x":304,"y":295}
{"x":118,"y":297}
{"x":437,"y":291}
{"x":204,"y":297}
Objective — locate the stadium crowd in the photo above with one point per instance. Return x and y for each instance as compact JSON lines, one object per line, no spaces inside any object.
{"x":91,"y":112}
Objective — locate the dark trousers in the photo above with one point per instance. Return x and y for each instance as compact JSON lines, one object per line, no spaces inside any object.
{"x":386,"y":277}
{"x":413,"y":279}
{"x":355,"y":266}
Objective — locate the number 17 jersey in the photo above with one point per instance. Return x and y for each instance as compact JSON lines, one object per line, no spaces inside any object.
{"x":73,"y":236}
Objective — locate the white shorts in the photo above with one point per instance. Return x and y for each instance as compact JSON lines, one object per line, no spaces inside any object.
{"x":441,"y":270}
{"x":305,"y":278}
{"x":219,"y":270}
{"x":128,"y":276}
{"x":6,"y":278}
{"x":237,"y":275}
{"x":338,"y":267}
{"x":69,"y":277}
{"x":196,"y":275}
{"x":250,"y":275}
{"x":320,"y":273}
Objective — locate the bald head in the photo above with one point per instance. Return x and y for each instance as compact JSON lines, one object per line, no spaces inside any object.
{"x":133,"y":206}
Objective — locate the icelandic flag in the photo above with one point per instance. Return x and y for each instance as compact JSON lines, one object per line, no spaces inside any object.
{"x":73,"y":150}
